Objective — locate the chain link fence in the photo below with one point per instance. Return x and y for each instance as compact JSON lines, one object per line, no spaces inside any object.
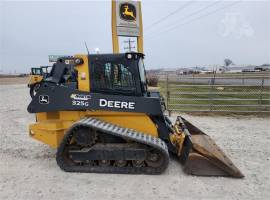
{"x":237,"y":93}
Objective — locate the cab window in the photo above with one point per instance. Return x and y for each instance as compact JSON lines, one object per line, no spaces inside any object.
{"x":36,"y":71}
{"x":113,"y":77}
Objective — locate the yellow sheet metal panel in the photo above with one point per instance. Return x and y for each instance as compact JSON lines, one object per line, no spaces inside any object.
{"x":103,"y":112}
{"x":83,"y":74}
{"x":34,"y":79}
{"x":70,"y":115}
{"x":136,"y":121}
{"x":51,"y":127}
{"x":46,"y":116}
{"x":61,"y":115}
{"x":50,"y":132}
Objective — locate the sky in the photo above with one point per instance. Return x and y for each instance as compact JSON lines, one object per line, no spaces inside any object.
{"x":176,"y":33}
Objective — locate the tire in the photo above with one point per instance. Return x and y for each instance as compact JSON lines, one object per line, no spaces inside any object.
{"x":33,"y":89}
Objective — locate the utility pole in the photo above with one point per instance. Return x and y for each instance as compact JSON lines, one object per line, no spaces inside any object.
{"x":129,"y":47}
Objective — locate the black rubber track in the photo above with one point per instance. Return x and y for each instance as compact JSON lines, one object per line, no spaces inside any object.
{"x":128,"y":134}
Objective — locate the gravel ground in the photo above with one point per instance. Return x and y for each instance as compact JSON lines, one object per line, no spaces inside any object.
{"x":28,"y":169}
{"x":12,"y":80}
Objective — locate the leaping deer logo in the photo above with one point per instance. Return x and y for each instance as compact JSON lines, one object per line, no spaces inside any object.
{"x":43,"y":99}
{"x":128,"y":12}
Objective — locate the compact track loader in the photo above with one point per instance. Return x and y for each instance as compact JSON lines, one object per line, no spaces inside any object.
{"x":96,"y":110}
{"x":36,"y":76}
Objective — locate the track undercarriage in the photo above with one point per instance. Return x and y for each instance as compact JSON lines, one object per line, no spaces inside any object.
{"x":92,"y":145}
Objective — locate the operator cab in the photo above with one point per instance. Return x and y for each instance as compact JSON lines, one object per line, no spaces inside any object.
{"x":40,"y":71}
{"x":109,"y":73}
{"x":118,"y":74}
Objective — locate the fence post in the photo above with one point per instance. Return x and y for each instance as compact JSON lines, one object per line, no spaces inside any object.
{"x":167,"y":94}
{"x":261,"y":93}
{"x":212,"y":82}
{"x":210,"y":95}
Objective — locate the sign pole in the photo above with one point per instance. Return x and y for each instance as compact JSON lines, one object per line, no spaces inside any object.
{"x":115,"y":41}
{"x":126,"y":22}
{"x":140,"y":37}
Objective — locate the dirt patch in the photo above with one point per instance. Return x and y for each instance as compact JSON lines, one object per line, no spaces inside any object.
{"x":28,"y":169}
{"x":13,"y":80}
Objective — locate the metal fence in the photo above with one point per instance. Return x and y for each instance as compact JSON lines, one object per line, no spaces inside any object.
{"x":237,"y":93}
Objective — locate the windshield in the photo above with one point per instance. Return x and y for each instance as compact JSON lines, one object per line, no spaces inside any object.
{"x":36,"y":71}
{"x":142,"y":71}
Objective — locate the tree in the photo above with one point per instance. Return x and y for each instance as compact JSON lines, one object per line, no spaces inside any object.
{"x":228,"y":62}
